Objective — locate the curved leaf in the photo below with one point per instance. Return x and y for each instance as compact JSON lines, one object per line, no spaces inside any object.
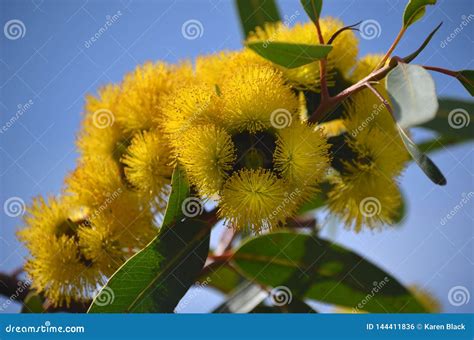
{"x":414,"y":11}
{"x":255,"y":13}
{"x":313,"y":268}
{"x":156,"y":278}
{"x":290,"y":55}
{"x":424,"y":162}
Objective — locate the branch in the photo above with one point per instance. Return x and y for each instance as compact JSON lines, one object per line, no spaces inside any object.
{"x":392,"y":47}
{"x":442,"y":70}
{"x":322,"y":65}
{"x":331,"y":102}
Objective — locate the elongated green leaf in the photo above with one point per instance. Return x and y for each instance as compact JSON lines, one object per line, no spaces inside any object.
{"x":255,"y":13}
{"x":290,"y":55}
{"x":221,"y":277}
{"x":156,"y":278}
{"x":466,"y":77}
{"x":412,"y":92}
{"x":312,"y":8}
{"x":424,"y":162}
{"x":412,"y":56}
{"x":453,"y":119}
{"x":414,"y":11}
{"x":316,"y":269}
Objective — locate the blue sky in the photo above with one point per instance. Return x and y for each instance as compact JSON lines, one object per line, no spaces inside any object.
{"x":52,"y":67}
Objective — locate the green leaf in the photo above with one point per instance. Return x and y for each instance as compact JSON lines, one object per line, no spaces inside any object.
{"x":414,"y":11}
{"x":33,"y":303}
{"x":312,"y":8}
{"x":412,"y":92}
{"x":156,"y":278}
{"x":412,"y":56}
{"x":255,"y":13}
{"x":316,"y":269}
{"x":466,"y":77}
{"x":244,"y":299}
{"x":453,"y":119}
{"x":221,"y":277}
{"x":290,"y":55}
{"x":424,"y":162}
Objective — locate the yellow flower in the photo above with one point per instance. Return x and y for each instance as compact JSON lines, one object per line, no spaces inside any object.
{"x":96,"y":184}
{"x":100,"y":244}
{"x":190,"y":106}
{"x":147,"y":166}
{"x":250,"y":199}
{"x":56,"y":264}
{"x":208,"y":155}
{"x":368,"y":122}
{"x":145,"y":89}
{"x":100,"y":134}
{"x":259,"y":137}
{"x":256,"y":98}
{"x":300,"y":148}
{"x":342,"y":57}
{"x":364,"y":199}
{"x":214,"y":69}
{"x":60,"y":272}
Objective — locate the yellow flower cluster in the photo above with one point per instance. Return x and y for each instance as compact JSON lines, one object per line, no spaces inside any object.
{"x":238,"y":125}
{"x":369,"y":158}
